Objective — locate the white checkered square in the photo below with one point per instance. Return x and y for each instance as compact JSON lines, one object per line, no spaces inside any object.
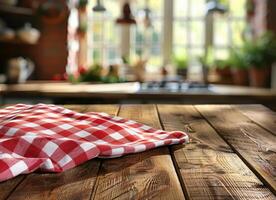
{"x":49,"y":148}
{"x":82,"y":134}
{"x":116,"y":136}
{"x":65,"y":160}
{"x":48,"y":132}
{"x":11,"y":131}
{"x":31,"y":125}
{"x":18,"y":168}
{"x":87,"y":146}
{"x":117,"y":151}
{"x":65,"y":126}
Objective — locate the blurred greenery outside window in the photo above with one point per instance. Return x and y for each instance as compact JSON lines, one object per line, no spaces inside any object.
{"x":188,"y":30}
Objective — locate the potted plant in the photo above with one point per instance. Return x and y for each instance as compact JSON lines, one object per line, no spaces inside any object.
{"x":222,"y":68}
{"x":91,"y":74}
{"x":239,"y":67}
{"x":181,"y":63}
{"x":82,"y":4}
{"x":260,"y":55}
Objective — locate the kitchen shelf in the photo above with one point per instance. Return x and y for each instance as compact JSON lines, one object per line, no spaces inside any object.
{"x":15,"y":42}
{"x":16,"y":10}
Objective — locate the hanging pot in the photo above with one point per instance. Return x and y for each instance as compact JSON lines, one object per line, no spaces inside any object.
{"x":99,"y":7}
{"x":126,"y":17}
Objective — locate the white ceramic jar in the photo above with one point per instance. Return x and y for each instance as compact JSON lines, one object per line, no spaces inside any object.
{"x":28,"y":34}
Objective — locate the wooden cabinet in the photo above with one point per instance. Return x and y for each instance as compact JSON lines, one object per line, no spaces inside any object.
{"x":50,"y":53}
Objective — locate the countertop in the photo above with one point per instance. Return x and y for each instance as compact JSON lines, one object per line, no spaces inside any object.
{"x":137,"y":91}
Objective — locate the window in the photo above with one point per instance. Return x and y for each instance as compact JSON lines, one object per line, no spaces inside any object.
{"x":186,"y":26}
{"x":228,"y":30}
{"x":189,"y":27}
{"x":103,"y":34}
{"x":147,"y":41}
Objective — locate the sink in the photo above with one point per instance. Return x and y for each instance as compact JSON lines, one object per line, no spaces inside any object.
{"x":164,"y":86}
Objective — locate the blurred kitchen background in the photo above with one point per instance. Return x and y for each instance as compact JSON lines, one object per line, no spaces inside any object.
{"x":184,"y":51}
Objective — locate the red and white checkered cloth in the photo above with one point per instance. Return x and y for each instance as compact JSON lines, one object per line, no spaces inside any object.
{"x":54,"y":139}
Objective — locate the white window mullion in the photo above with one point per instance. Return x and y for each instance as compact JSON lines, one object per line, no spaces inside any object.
{"x":189,"y":29}
{"x":167,"y":31}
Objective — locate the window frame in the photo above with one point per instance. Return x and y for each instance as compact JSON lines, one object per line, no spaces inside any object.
{"x":167,"y":40}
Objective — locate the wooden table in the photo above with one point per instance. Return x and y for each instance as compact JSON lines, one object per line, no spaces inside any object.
{"x":231,"y":155}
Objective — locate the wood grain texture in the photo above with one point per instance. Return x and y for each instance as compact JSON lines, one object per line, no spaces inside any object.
{"x":7,"y":187}
{"x":260,"y":115}
{"x":253,"y":144}
{"x":76,"y":183}
{"x":148,"y":175}
{"x":208,"y":166}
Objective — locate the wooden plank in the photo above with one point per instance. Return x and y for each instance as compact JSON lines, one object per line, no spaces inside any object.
{"x":109,"y":109}
{"x":260,"y":115}
{"x":253,"y":144}
{"x":208,"y":167}
{"x":7,"y":187}
{"x":76,"y":183}
{"x":148,"y":175}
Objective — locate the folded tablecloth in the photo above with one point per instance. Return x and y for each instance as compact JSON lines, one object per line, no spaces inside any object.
{"x":51,"y":138}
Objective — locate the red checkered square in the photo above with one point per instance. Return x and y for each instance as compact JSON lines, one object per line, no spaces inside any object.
{"x":53,"y":139}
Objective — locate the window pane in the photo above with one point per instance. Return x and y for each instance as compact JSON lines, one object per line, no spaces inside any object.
{"x":97,"y":30}
{"x":112,"y":54}
{"x":96,"y":55}
{"x":157,"y":33}
{"x":237,"y":7}
{"x":148,"y":41}
{"x":221,"y":32}
{"x":189,"y":20}
{"x":111,"y":33}
{"x":156,"y":7}
{"x":180,"y":50}
{"x":221,"y":53}
{"x":155,"y":61}
{"x":112,"y":7}
{"x":103,"y":32}
{"x":189,"y":28}
{"x":239,"y":27}
{"x":196,"y":52}
{"x":197,"y":32}
{"x":180,"y":8}
{"x":198,"y":8}
{"x":180,"y":32}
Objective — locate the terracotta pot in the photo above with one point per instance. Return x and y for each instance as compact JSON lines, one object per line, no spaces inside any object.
{"x":225,"y":72}
{"x":240,"y":76}
{"x":259,"y":77}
